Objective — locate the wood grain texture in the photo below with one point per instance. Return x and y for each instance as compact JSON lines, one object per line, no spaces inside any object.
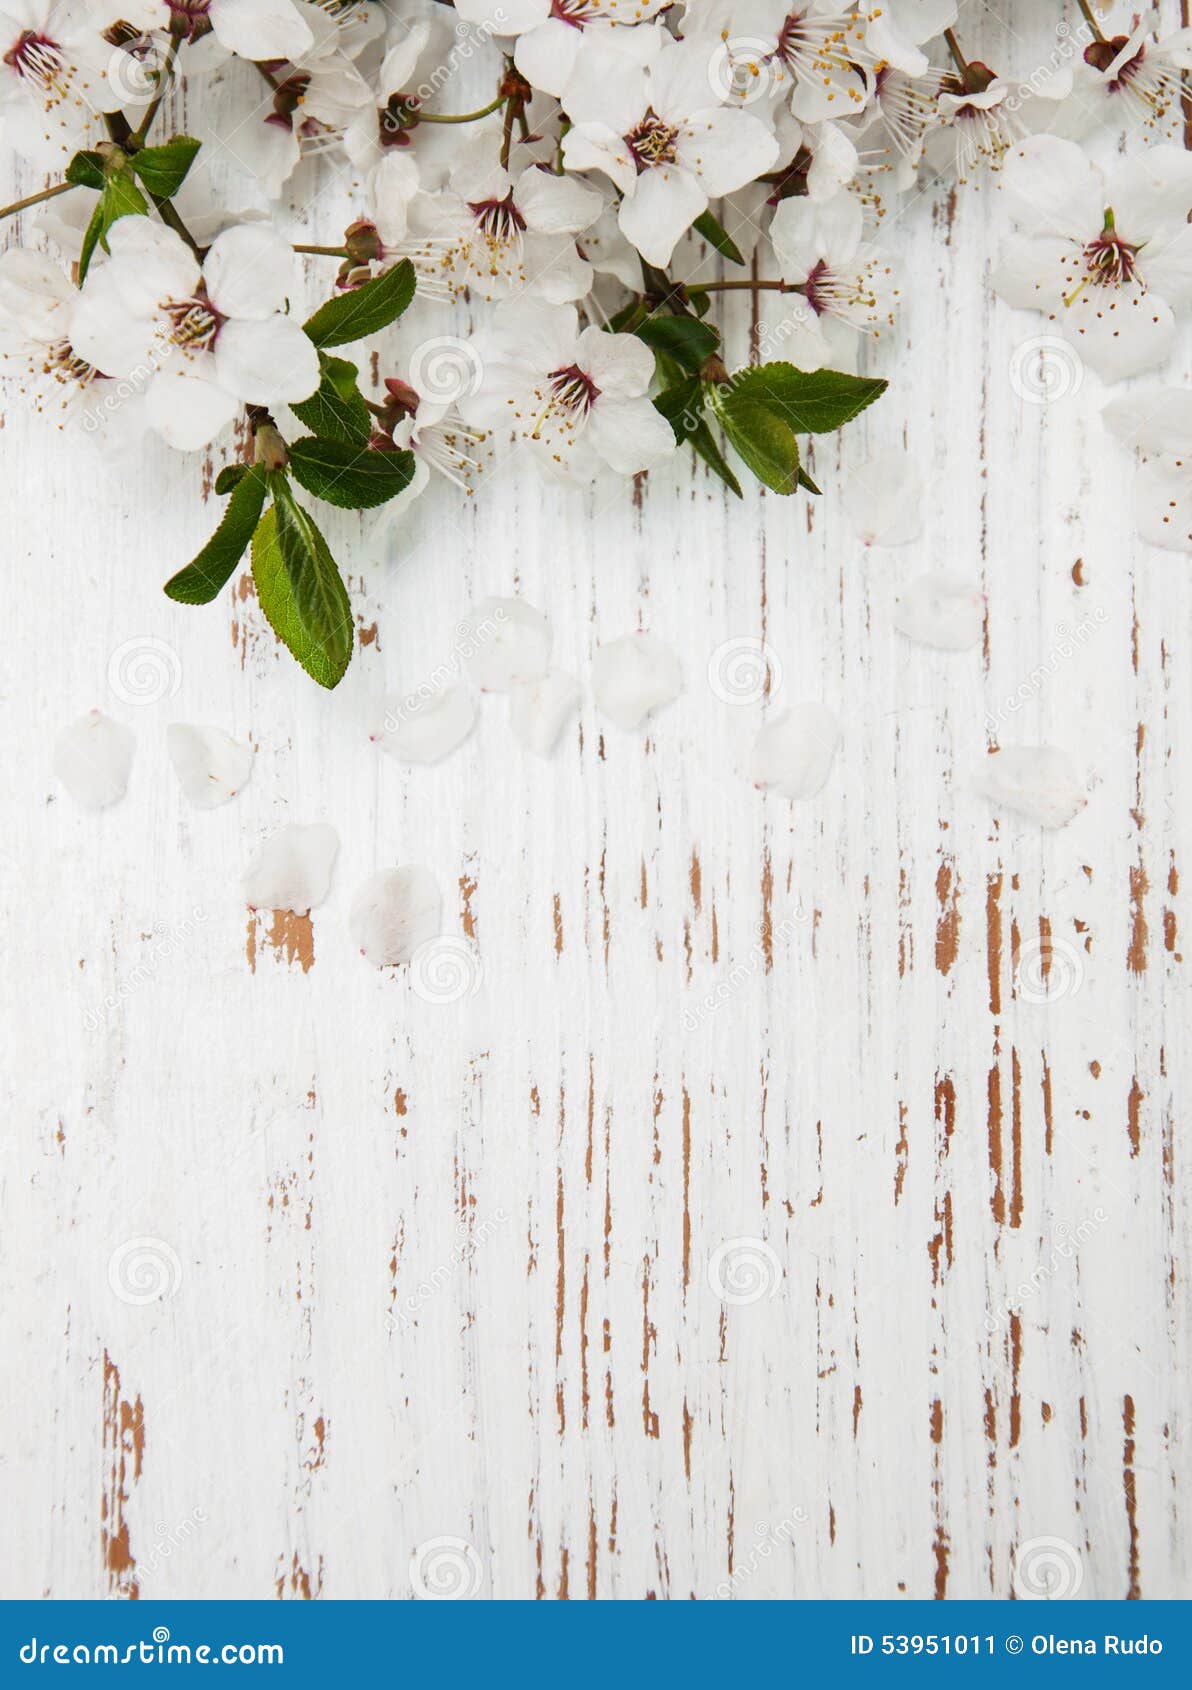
{"x":445,"y":1269}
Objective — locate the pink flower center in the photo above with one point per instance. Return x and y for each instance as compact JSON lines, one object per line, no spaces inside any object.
{"x":573,"y":389}
{"x":499,"y":220}
{"x":577,"y":13}
{"x":36,"y":58}
{"x":652,"y":142}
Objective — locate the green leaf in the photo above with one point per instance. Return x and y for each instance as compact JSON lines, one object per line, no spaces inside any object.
{"x":229,"y":477}
{"x":685,"y":339}
{"x":364,"y":310}
{"x":300,"y":588}
{"x":163,"y":169}
{"x":336,"y":410}
{"x":806,"y":482}
{"x":717,"y":235}
{"x":85,"y":170}
{"x":203,"y":578}
{"x":340,"y":472}
{"x":683,"y":408}
{"x":808,"y":401}
{"x":765,"y":443}
{"x":120,"y":198}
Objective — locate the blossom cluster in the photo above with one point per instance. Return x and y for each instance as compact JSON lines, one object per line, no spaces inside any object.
{"x":626,"y":159}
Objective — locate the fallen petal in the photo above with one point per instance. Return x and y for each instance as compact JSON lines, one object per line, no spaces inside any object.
{"x":505,"y":640}
{"x":884,"y":499}
{"x":211,"y":766}
{"x":634,"y":675}
{"x":793,"y":754}
{"x":293,"y":871}
{"x":421,"y":729}
{"x":1039,"y":782}
{"x":941,"y":610}
{"x":93,"y":758}
{"x":538,"y":709}
{"x":394,"y":912}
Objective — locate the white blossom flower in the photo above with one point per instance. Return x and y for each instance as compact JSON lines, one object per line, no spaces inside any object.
{"x":548,"y":44}
{"x":252,"y":29}
{"x":662,"y":133}
{"x":819,"y":250}
{"x":905,"y":110}
{"x":1108,"y":258}
{"x":1158,"y":424}
{"x":37,"y":310}
{"x":54,"y":81}
{"x":1136,"y":78}
{"x":978,"y":125}
{"x":496,"y":235}
{"x":897,"y":30}
{"x":576,"y":400}
{"x":205,"y":339}
{"x":812,"y":52}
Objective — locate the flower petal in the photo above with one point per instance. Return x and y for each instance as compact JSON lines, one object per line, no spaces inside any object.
{"x":93,"y":759}
{"x":261,"y":29}
{"x":293,"y":871}
{"x":793,"y":754}
{"x":633,"y":676}
{"x":425,"y":726}
{"x":394,"y":912}
{"x":1036,"y":781}
{"x":211,"y":766}
{"x":538,"y":709}
{"x":505,"y":640}
{"x":249,"y":272}
{"x":262,"y":363}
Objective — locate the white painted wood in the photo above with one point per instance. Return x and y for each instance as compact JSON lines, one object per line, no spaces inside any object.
{"x":874,"y":1096}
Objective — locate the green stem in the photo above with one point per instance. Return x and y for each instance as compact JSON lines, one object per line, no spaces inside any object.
{"x":324,"y":251}
{"x":743,"y":287}
{"x":1090,"y":18}
{"x":172,"y":221}
{"x":958,"y":57}
{"x":35,"y":199}
{"x":463,"y":116}
{"x":165,"y":77}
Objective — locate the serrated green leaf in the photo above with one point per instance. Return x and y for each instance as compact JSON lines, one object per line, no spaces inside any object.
{"x":210,"y":571}
{"x":85,"y":170}
{"x":806,"y":482}
{"x":340,"y":472}
{"x":364,"y":310}
{"x":300,"y":588}
{"x":163,"y":169}
{"x":336,"y":410}
{"x":685,"y":339}
{"x":761,"y":439}
{"x":718,"y":236}
{"x":808,"y":401}
{"x":683,"y":407}
{"x":229,"y":477}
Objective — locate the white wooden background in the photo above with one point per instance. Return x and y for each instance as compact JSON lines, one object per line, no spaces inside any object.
{"x":441,"y":1270}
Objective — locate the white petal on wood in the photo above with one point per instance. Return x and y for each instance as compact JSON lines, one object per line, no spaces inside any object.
{"x":793,"y":754}
{"x":394,"y":912}
{"x":211,"y":766}
{"x":504,"y":640}
{"x":538,"y":709}
{"x":423,"y":730}
{"x":1039,"y":782}
{"x":93,"y":758}
{"x":942,"y":610}
{"x":293,"y":871}
{"x":634,"y":675}
{"x":884,"y":499}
